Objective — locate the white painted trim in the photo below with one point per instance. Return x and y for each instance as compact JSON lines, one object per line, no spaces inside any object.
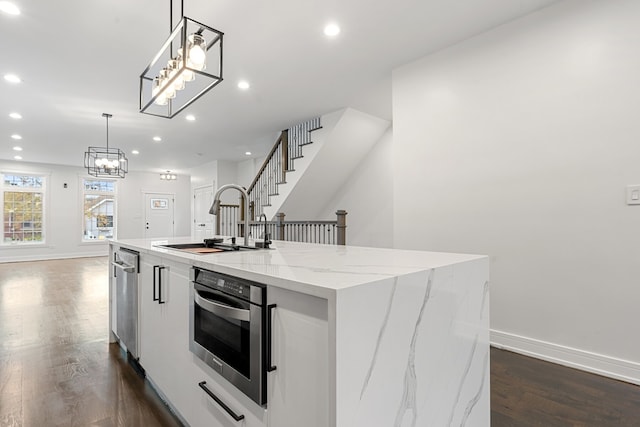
{"x":47,"y":257}
{"x":619,"y":369}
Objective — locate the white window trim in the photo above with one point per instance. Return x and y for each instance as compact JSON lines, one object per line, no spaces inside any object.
{"x":81,"y":193}
{"x":45,"y":214}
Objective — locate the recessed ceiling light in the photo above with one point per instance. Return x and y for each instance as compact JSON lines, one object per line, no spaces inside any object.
{"x":17,"y":157}
{"x":243,"y":84}
{"x":16,"y":148}
{"x":15,"y":116}
{"x":191,"y":117}
{"x":247,"y":153}
{"x":12,"y":78}
{"x":135,"y":152}
{"x":16,"y":136}
{"x":331,"y":30}
{"x":10,"y":8}
{"x":157,"y":139}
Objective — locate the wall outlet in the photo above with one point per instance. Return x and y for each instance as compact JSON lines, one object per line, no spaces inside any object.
{"x":633,"y":194}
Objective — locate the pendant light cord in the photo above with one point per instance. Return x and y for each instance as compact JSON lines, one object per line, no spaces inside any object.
{"x":106,"y":115}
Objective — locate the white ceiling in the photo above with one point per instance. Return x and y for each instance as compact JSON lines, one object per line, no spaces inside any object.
{"x":80,"y":58}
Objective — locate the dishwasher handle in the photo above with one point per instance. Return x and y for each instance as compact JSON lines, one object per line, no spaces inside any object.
{"x":123,"y":266}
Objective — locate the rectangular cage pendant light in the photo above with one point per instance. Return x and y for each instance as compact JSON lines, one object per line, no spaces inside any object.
{"x":105,"y":161}
{"x":188,"y":65}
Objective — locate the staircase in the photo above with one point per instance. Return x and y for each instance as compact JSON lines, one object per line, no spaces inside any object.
{"x":278,"y":164}
{"x":310,"y":161}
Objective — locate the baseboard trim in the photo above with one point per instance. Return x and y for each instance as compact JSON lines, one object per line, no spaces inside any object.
{"x":45,"y":257}
{"x":619,"y":369}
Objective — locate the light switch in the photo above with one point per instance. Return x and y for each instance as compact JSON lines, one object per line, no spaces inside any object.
{"x":633,"y":194}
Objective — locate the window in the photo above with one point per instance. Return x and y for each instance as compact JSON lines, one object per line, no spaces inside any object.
{"x":99,"y":209}
{"x":22,"y":209}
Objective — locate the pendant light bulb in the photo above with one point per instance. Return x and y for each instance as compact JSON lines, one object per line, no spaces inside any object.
{"x":197,"y":55}
{"x":168,"y":90}
{"x":173,"y":66}
{"x":157,"y":89}
{"x":187,"y":75}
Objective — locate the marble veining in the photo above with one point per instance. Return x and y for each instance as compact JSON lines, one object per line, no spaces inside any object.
{"x":410,"y":333}
{"x":383,"y":328}
{"x":408,"y":401}
{"x":467,"y":369}
{"x":472,"y":403}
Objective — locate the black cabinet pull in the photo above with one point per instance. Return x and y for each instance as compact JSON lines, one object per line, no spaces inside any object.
{"x":160,"y":268}
{"x":270,"y":308}
{"x":155,"y":297}
{"x":235,"y":416}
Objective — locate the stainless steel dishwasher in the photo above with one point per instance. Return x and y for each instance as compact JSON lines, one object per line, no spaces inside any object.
{"x":126,"y":264}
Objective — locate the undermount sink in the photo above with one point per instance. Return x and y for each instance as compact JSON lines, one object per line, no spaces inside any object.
{"x":202,"y":248}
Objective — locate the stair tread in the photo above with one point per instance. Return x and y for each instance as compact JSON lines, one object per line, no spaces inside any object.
{"x":297,"y":157}
{"x":318,"y":128}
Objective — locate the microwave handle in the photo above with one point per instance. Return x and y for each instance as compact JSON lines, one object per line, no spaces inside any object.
{"x":221,"y":309}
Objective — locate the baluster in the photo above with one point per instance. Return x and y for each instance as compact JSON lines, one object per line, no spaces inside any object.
{"x":306,"y":132}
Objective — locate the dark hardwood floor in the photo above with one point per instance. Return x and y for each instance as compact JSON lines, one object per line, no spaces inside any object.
{"x":532,"y":392}
{"x":56,"y":365}
{"x":57,"y":368}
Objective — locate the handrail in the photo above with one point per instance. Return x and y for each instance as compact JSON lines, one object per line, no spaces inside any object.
{"x":278,"y":162}
{"x":267,"y":160}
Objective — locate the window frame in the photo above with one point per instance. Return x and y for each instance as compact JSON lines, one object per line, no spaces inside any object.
{"x":44,"y":190}
{"x":82,"y":193}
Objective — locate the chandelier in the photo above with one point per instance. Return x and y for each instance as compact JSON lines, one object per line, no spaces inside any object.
{"x":168,"y":176}
{"x":106,"y":162}
{"x":188,"y":65}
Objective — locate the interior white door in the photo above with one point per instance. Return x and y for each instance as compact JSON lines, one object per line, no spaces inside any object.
{"x":158,"y":215}
{"x":202,"y":219}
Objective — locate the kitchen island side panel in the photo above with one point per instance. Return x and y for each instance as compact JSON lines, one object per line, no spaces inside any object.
{"x":414,"y":350}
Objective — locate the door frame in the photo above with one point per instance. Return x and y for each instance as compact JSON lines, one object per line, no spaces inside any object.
{"x":193,"y":204}
{"x":144,"y":209}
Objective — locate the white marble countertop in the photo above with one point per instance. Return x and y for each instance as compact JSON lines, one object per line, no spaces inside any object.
{"x":320,"y":270}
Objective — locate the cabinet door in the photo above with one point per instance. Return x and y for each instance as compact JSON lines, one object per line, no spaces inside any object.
{"x":150,"y":331}
{"x":173,"y":343}
{"x":298,"y":390}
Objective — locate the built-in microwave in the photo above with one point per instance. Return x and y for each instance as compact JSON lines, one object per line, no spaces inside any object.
{"x":228,"y":329}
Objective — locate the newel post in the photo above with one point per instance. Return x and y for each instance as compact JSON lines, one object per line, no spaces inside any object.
{"x":280,"y":225}
{"x":342,"y":227}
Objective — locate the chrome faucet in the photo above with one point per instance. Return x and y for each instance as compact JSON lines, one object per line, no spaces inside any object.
{"x":215,"y":207}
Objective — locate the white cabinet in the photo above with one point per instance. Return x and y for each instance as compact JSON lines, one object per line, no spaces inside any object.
{"x":207,"y":412}
{"x":298,"y":390}
{"x":164,"y":325}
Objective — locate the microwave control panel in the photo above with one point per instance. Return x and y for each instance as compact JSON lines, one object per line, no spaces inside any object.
{"x":237,"y":287}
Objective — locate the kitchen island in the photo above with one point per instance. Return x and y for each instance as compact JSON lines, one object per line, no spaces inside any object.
{"x":361,"y":336}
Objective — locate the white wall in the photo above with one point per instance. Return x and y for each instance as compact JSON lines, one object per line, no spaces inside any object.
{"x":367,"y":196}
{"x":246,"y":171}
{"x":131,"y":212}
{"x":63,"y":210}
{"x":519,"y":144}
